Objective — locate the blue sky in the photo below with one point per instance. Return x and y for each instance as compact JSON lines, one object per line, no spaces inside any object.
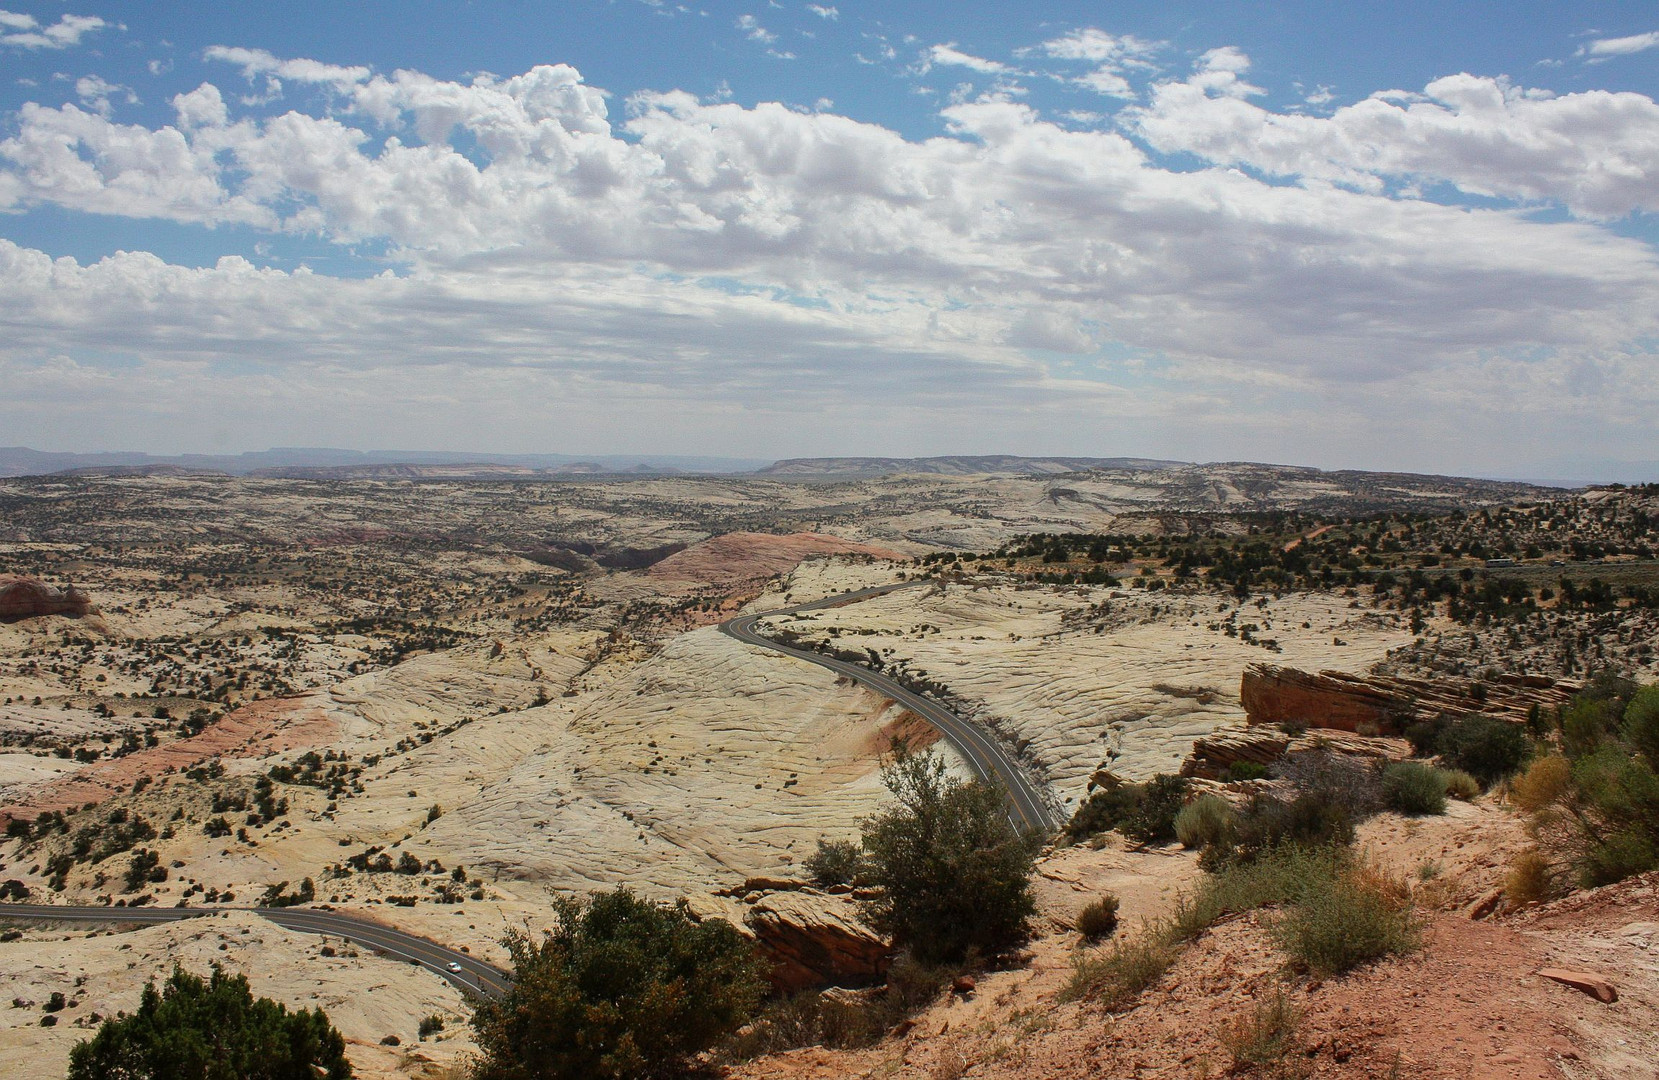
{"x":1361,"y":235}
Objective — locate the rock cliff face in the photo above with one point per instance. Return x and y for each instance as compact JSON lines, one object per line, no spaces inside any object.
{"x":1337,"y":699}
{"x":25,"y":598}
{"x":815,"y":940}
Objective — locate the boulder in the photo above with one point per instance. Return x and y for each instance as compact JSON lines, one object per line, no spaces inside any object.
{"x":1584,"y":982}
{"x":26,"y":598}
{"x":1272,"y":694}
{"x":816,"y":941}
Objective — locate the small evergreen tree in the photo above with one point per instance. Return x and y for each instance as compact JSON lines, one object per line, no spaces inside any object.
{"x":954,"y":873}
{"x":214,"y":1029}
{"x":620,"y":989}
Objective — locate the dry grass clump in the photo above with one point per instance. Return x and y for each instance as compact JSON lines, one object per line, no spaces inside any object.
{"x":1529,"y":879}
{"x":1099,"y":919}
{"x":1264,"y":1042}
{"x":1115,"y":978}
{"x":1545,"y":782}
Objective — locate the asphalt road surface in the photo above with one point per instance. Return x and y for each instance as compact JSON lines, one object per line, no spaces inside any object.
{"x":1027,"y":808}
{"x":475,"y":975}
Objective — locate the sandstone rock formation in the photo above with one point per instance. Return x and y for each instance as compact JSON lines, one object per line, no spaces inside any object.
{"x":1213,"y":754}
{"x":814,"y":940}
{"x":24,"y":598}
{"x":1335,"y":699}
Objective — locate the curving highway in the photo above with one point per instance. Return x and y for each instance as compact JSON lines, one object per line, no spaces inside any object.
{"x":474,"y":977}
{"x":1027,"y":808}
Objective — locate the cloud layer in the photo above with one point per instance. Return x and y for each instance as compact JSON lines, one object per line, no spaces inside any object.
{"x":1008,"y":275}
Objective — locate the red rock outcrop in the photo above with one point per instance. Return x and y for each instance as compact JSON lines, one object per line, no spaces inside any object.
{"x":26,"y":598}
{"x":732,"y":559}
{"x":1336,"y":699}
{"x":814,"y":940}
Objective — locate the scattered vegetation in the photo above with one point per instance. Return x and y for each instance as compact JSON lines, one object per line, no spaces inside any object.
{"x":1265,"y":1040}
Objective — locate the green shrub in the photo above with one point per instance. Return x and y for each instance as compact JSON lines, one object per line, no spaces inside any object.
{"x":211,"y":1030}
{"x":430,"y":1025}
{"x":1460,"y":785}
{"x":1414,"y":788}
{"x":1641,"y":724}
{"x":620,"y":988}
{"x":1203,"y":821}
{"x":1144,"y":813}
{"x":1099,"y":918}
{"x":1308,"y":820}
{"x":1625,"y":853}
{"x":1152,"y":820}
{"x":1240,"y":771}
{"x":1485,"y":747}
{"x":836,"y":862}
{"x":1355,"y":920}
{"x":953,"y":873}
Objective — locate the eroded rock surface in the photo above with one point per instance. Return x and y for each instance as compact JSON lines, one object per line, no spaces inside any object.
{"x":1272,"y":694}
{"x":25,"y":598}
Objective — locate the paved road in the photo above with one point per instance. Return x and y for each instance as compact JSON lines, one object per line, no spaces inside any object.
{"x":986,"y":756}
{"x":475,"y":975}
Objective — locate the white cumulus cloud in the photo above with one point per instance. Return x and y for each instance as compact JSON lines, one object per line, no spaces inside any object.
{"x":27,"y":32}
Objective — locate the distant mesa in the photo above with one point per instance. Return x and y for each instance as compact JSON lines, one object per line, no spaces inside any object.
{"x":956,"y":465}
{"x":26,"y":598}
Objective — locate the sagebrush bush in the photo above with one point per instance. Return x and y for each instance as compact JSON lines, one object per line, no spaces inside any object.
{"x":1311,"y":819}
{"x":1460,"y":785}
{"x":1099,"y":918}
{"x":1360,"y":917}
{"x":1336,"y":780}
{"x":1280,"y":876}
{"x":1203,"y":821}
{"x":1411,"y":787}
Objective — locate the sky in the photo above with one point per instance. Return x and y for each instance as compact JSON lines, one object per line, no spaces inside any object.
{"x":1387,"y":236}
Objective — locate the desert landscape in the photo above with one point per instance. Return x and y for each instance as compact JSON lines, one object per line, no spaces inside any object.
{"x":436,"y":704}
